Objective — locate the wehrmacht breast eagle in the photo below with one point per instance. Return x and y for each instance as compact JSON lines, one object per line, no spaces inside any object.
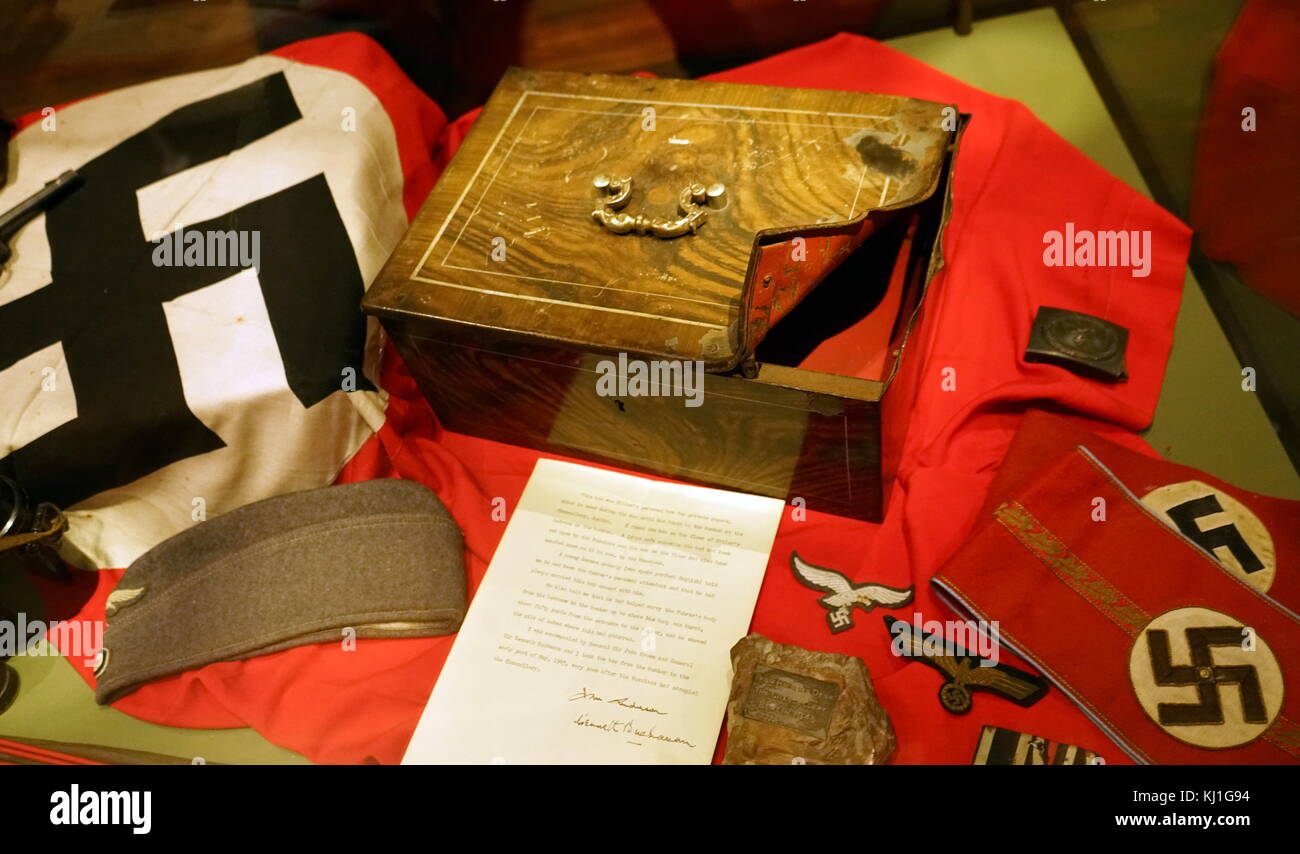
{"x":964,"y":671}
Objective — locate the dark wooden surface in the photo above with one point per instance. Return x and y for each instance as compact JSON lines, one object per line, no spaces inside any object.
{"x":455,"y":50}
{"x":788,"y":432}
{"x":506,"y":241}
{"x":51,"y":53}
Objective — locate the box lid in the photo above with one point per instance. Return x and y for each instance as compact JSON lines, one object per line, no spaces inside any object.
{"x":619,"y":213}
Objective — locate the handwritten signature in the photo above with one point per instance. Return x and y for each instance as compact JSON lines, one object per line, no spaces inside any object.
{"x":630,"y":727}
{"x":625,"y":702}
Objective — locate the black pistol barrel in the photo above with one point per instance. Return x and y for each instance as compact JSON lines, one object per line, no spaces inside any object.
{"x":40,"y":201}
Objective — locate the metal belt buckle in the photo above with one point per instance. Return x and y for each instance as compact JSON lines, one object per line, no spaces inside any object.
{"x":1078,"y":342}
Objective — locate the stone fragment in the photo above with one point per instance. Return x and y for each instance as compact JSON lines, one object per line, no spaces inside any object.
{"x":791,"y":706}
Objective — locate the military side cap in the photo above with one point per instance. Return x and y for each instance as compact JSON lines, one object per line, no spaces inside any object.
{"x":376,"y":559}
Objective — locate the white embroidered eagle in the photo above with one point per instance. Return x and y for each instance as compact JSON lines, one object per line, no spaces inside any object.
{"x":843,"y":595}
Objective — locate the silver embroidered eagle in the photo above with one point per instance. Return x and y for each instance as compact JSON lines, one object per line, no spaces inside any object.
{"x":842,"y":595}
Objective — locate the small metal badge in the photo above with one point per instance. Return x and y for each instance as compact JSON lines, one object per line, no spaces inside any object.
{"x":964,"y":671}
{"x":101,"y":662}
{"x":1081,"y":343}
{"x":791,"y":700}
{"x":998,"y":746}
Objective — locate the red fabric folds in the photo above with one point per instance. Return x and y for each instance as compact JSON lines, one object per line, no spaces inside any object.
{"x":1015,"y":181}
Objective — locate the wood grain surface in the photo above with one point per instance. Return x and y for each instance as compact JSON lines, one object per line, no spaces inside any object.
{"x":507,"y":241}
{"x":512,"y":348}
{"x":785,"y":433}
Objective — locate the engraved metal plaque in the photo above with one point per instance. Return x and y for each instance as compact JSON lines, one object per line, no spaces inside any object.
{"x":791,"y":700}
{"x":793,"y":706}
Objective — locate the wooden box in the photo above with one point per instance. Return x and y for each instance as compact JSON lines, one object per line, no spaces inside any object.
{"x":596,"y":231}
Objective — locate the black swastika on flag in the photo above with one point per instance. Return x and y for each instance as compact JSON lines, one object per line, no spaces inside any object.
{"x":1207,"y":676}
{"x":104,"y":304}
{"x":1225,"y":536}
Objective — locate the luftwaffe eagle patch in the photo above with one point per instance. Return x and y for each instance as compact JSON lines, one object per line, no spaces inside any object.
{"x":843,"y":595}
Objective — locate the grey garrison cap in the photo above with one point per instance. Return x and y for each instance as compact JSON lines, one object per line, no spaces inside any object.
{"x":382,"y":557}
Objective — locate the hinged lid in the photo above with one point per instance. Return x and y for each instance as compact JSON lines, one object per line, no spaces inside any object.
{"x":626,"y":214}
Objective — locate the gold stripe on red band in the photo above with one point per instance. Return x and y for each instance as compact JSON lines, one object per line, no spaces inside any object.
{"x":1284,"y":734}
{"x":1067,"y":566}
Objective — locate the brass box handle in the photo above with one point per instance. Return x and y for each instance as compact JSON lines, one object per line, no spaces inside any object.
{"x":692,"y":205}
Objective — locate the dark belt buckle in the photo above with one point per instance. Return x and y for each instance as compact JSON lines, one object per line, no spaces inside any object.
{"x":1080,"y":343}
